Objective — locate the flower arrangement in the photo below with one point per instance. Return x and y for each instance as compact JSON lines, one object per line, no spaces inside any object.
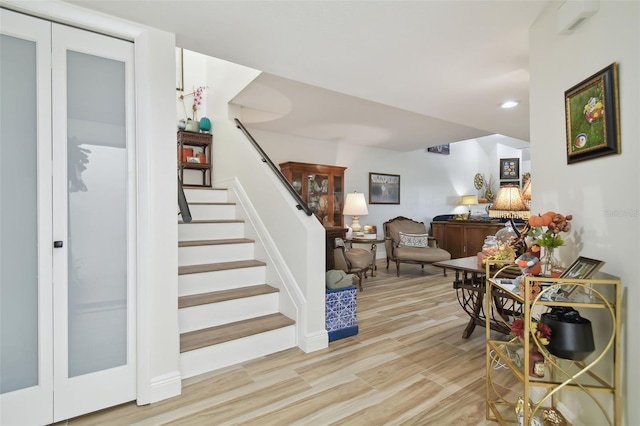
{"x":555,"y":223}
{"x":197,"y":101}
{"x":541,"y":331}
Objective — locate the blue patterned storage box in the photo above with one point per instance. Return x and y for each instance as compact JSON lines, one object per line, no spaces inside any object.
{"x":340,"y":311}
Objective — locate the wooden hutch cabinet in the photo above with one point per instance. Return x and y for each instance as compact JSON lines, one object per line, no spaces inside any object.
{"x":463,"y":238}
{"x":321,"y":187}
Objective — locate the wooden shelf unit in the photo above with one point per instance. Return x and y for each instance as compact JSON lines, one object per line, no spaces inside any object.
{"x":200,"y":143}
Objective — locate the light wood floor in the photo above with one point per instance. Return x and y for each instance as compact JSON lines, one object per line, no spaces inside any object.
{"x":407,"y":366}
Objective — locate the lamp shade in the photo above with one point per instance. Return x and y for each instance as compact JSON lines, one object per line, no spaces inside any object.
{"x":355,"y":205}
{"x":468,"y":200}
{"x":509,"y":203}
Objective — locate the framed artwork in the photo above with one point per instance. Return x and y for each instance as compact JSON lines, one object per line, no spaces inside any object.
{"x":581,"y":268}
{"x":179,"y":69}
{"x":592,"y":116}
{"x":439,"y":149}
{"x":509,"y":168}
{"x":384,"y":189}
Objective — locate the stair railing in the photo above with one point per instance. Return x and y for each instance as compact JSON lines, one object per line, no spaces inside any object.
{"x":182,"y":203}
{"x":301,"y":205}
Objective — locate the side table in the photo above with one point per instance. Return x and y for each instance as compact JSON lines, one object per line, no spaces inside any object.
{"x":470,"y":287}
{"x":374,"y":248}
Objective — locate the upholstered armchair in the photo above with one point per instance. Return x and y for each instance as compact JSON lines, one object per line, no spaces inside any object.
{"x":407,"y":241}
{"x":353,"y":261}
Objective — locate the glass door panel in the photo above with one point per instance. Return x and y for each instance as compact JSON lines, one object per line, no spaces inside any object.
{"x":337,"y":200}
{"x":18,"y":217}
{"x":318,"y":189}
{"x":97,"y":213}
{"x":296,"y":182}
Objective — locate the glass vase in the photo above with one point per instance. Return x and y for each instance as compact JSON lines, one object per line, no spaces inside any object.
{"x":550,"y":266}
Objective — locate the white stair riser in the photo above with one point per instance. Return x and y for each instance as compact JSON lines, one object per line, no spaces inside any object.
{"x":220,"y":280}
{"x":212,"y":314}
{"x":212,"y":211}
{"x":225,"y":354}
{"x":199,"y":255}
{"x":206,"y":195}
{"x":210,"y":231}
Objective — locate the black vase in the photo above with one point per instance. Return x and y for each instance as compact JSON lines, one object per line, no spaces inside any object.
{"x":571,"y":334}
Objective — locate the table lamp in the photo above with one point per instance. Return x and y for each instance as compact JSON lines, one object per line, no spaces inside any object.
{"x":509,"y":204}
{"x":355,"y":206}
{"x":469,"y":200}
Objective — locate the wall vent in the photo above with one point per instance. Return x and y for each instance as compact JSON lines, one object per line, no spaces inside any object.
{"x":572,"y":13}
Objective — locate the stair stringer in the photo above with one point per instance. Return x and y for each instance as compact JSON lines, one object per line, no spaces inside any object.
{"x":278,"y":274}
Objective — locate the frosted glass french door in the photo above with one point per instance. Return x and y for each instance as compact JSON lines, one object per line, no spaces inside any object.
{"x":26,"y":270}
{"x":68,"y":232}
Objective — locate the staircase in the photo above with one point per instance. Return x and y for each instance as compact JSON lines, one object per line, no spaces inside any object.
{"x":227,"y":314}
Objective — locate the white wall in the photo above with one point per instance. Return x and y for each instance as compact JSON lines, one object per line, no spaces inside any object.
{"x":430,"y":184}
{"x":603,"y":194}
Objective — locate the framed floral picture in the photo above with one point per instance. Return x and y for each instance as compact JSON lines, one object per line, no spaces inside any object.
{"x":592,"y":116}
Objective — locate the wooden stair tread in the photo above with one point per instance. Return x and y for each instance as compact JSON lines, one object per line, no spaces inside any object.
{"x":222,"y":266}
{"x":214,"y":242}
{"x":224,"y":295}
{"x":236,"y":330}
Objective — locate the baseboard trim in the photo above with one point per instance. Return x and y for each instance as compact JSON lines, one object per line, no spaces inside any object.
{"x":315,"y":341}
{"x":165,"y":386}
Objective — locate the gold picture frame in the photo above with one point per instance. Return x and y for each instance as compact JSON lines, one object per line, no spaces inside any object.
{"x":592,"y":116}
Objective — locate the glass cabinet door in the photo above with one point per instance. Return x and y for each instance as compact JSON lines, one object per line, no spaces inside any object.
{"x":296,"y":182}
{"x":318,"y":186}
{"x":337,"y":201}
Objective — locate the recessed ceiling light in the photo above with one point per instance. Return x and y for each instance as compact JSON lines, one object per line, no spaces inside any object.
{"x":509,"y":104}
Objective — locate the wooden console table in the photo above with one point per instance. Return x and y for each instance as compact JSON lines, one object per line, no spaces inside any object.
{"x":463,"y":238}
{"x":470,"y":286}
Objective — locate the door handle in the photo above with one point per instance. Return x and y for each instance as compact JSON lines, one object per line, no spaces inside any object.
{"x":57,"y":244}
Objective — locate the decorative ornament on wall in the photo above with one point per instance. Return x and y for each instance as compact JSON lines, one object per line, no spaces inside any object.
{"x":478,"y":181}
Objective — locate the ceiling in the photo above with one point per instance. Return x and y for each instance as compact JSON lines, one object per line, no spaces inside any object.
{"x":400,"y":75}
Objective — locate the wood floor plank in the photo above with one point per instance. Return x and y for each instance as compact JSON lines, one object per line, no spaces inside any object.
{"x":409,"y":365}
